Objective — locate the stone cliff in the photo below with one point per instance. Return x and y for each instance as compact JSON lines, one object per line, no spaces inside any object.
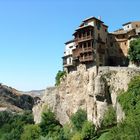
{"x":87,"y":90}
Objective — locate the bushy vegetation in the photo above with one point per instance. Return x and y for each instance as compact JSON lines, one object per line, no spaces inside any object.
{"x":78,"y":119}
{"x":58,"y":77}
{"x":31,"y":132}
{"x":109,"y":118}
{"x":12,"y":125}
{"x":134,"y":51}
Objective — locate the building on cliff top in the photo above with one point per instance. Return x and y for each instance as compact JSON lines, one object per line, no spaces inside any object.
{"x":68,"y":58}
{"x":93,"y":45}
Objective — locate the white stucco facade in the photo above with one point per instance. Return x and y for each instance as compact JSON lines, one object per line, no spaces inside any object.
{"x":68,"y":52}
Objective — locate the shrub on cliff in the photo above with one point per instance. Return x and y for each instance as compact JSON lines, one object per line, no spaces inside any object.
{"x":109,"y":118}
{"x":130,"y":100}
{"x":58,"y":77}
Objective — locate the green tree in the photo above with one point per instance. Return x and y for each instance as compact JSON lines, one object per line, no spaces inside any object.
{"x":49,"y":125}
{"x":134,"y":51}
{"x":78,"y":119}
{"x":14,"y":124}
{"x":58,"y":77}
{"x":31,"y":132}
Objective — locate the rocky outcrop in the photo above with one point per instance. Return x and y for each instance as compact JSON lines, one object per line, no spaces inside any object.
{"x":87,"y":90}
{"x":11,"y":99}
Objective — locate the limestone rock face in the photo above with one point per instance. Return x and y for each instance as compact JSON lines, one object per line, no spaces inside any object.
{"x":87,"y":90}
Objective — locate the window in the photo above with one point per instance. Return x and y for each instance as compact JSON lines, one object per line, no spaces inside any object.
{"x":85,"y":45}
{"x":70,"y":60}
{"x":85,"y":23}
{"x":84,"y":34}
{"x":98,"y":25}
{"x":111,"y":44}
{"x":98,"y":35}
{"x":87,"y":33}
{"x":92,"y":43}
{"x":136,"y":25}
{"x":105,"y":30}
{"x":88,"y":44}
{"x":79,"y":35}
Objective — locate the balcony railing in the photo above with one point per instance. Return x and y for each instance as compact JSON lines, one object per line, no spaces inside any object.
{"x":87,"y":49}
{"x":86,"y":58}
{"x":83,"y":38}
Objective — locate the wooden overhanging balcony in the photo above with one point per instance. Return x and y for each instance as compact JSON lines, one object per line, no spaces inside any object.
{"x":82,"y":39}
{"x":85,"y":50}
{"x":86,"y":58}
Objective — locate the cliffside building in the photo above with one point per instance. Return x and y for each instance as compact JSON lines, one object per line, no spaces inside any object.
{"x":91,"y":43}
{"x":94,"y":46}
{"x":67,"y":58}
{"x":120,"y":42}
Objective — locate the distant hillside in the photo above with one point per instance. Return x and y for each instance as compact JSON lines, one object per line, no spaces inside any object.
{"x":34,"y":93}
{"x":12,"y":99}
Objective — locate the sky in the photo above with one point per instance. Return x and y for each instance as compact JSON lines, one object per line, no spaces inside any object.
{"x":33,"y":33}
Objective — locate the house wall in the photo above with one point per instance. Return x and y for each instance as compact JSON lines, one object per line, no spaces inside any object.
{"x":69,"y":47}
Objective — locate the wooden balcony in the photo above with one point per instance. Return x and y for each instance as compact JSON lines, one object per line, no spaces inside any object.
{"x":82,"y":39}
{"x":85,"y":50}
{"x":86,"y":58}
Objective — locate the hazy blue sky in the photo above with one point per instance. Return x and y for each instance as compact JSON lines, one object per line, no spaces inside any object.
{"x":33,"y":33}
